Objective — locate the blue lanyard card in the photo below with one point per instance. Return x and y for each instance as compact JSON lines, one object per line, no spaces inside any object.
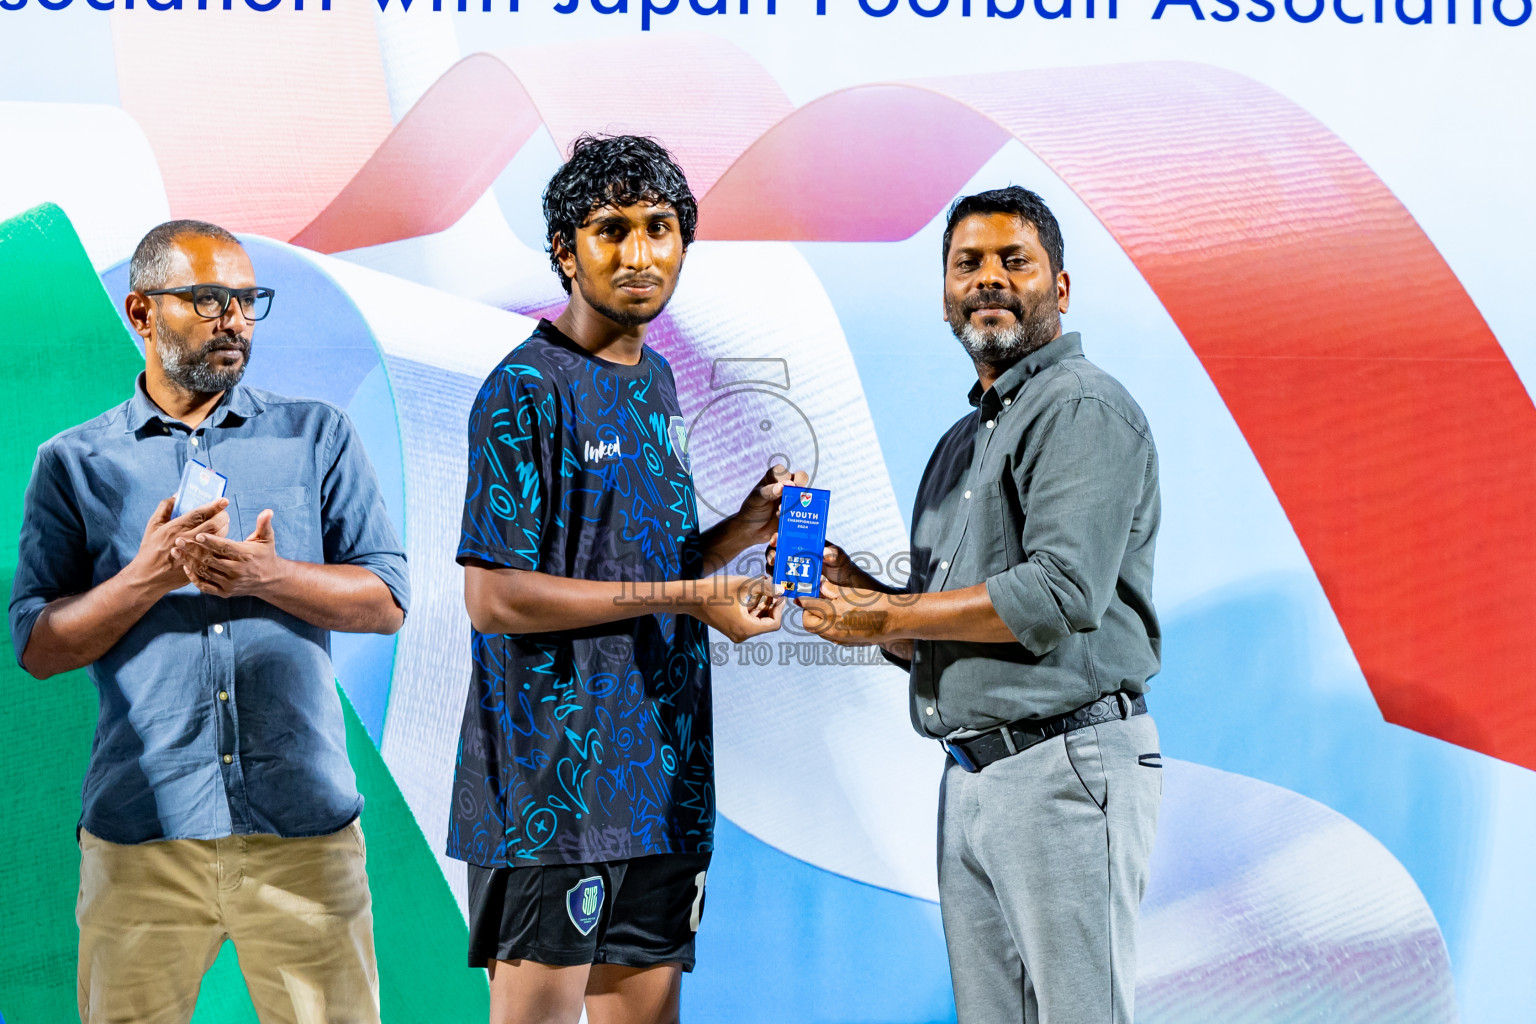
{"x":199,"y":486}
{"x":802,"y":535}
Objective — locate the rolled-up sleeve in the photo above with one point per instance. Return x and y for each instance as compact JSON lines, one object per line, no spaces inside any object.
{"x":51,"y":560}
{"x":355,"y":524}
{"x":1086,"y":467}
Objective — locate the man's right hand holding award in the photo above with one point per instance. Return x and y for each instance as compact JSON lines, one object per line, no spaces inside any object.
{"x":854,"y":608}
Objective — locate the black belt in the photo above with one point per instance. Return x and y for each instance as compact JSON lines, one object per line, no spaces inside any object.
{"x":977,"y":752}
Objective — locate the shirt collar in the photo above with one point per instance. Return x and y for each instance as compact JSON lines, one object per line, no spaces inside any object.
{"x":238,"y":402}
{"x":1017,"y":375}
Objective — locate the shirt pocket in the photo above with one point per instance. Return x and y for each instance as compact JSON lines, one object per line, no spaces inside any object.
{"x":295,"y":520}
{"x":998,"y":528}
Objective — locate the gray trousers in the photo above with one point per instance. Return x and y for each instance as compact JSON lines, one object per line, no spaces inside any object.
{"x":1042,"y":864}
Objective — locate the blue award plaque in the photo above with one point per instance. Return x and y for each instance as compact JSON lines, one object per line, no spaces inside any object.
{"x":802,"y":535}
{"x":199,"y":486}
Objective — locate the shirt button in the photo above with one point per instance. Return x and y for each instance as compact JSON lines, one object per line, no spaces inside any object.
{"x":928,"y":710}
{"x":223,"y":695}
{"x":967,"y":495}
{"x":218,"y":627}
{"x":991,"y":424}
{"x":229,"y":759}
{"x":943,"y":565}
{"x":194,"y":442}
{"x":1007,"y":401}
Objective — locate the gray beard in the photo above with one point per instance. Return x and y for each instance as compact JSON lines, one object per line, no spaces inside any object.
{"x":191,"y":372}
{"x":1004,"y":346}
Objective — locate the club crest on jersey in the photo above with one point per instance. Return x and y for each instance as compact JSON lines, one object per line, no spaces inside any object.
{"x":678,"y":434}
{"x":584,"y":903}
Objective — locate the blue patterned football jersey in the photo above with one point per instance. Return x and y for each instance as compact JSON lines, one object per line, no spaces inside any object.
{"x":592,"y":744}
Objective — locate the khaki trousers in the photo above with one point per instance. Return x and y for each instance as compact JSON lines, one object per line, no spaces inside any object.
{"x":153,"y":916}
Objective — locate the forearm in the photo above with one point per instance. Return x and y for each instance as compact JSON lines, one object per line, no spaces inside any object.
{"x":342,"y":598}
{"x":504,"y":600}
{"x":72,"y":632}
{"x":964,"y":615}
{"x":721,"y":543}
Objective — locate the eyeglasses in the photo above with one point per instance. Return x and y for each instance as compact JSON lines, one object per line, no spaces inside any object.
{"x":211,"y":301}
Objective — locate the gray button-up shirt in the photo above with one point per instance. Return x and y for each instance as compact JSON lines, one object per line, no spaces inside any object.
{"x":218,"y":716}
{"x":1047,"y":493}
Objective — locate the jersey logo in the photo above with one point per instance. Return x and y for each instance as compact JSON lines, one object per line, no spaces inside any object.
{"x":677,"y":433}
{"x":584,"y":903}
{"x":600,"y":451}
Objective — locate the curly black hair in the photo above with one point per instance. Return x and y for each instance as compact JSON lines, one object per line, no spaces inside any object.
{"x":613,"y":170}
{"x":1023,"y":204}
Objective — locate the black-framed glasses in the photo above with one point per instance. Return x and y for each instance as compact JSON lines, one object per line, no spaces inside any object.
{"x":212,"y":300}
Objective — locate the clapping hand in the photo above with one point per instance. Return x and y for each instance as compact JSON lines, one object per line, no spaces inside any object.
{"x":227,"y":568}
{"x":162,"y":536}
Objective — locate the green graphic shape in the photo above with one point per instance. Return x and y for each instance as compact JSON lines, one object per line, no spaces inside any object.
{"x":64,"y":357}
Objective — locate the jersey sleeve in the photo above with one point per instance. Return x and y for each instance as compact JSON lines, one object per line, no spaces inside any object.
{"x":671,"y":433}
{"x":511,"y":468}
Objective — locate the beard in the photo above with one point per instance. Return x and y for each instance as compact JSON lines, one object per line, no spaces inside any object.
{"x":1034,"y":325}
{"x":189,"y":370}
{"x":622,"y":317}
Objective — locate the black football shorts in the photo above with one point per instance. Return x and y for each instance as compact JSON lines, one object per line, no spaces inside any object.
{"x":635,"y":913}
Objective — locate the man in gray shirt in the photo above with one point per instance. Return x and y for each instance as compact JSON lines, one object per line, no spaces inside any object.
{"x":1029,"y":633}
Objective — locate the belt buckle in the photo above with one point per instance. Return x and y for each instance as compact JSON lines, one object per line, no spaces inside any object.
{"x":961,"y":758}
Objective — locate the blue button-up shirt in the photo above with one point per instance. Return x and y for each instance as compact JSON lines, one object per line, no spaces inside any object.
{"x":218,"y":716}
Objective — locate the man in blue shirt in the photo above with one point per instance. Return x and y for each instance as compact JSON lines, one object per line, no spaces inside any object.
{"x":584,"y":792}
{"x":219,"y":802}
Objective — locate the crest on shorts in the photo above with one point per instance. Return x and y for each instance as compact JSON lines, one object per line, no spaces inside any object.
{"x":584,"y":903}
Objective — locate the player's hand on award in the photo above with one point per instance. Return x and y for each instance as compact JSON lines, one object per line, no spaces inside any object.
{"x":156,"y":558}
{"x":758,"y":517}
{"x":847,"y":616}
{"x":228,"y":568}
{"x":740,"y":606}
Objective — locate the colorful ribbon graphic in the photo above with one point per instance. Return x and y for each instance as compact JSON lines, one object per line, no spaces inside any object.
{"x":1384,"y":412}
